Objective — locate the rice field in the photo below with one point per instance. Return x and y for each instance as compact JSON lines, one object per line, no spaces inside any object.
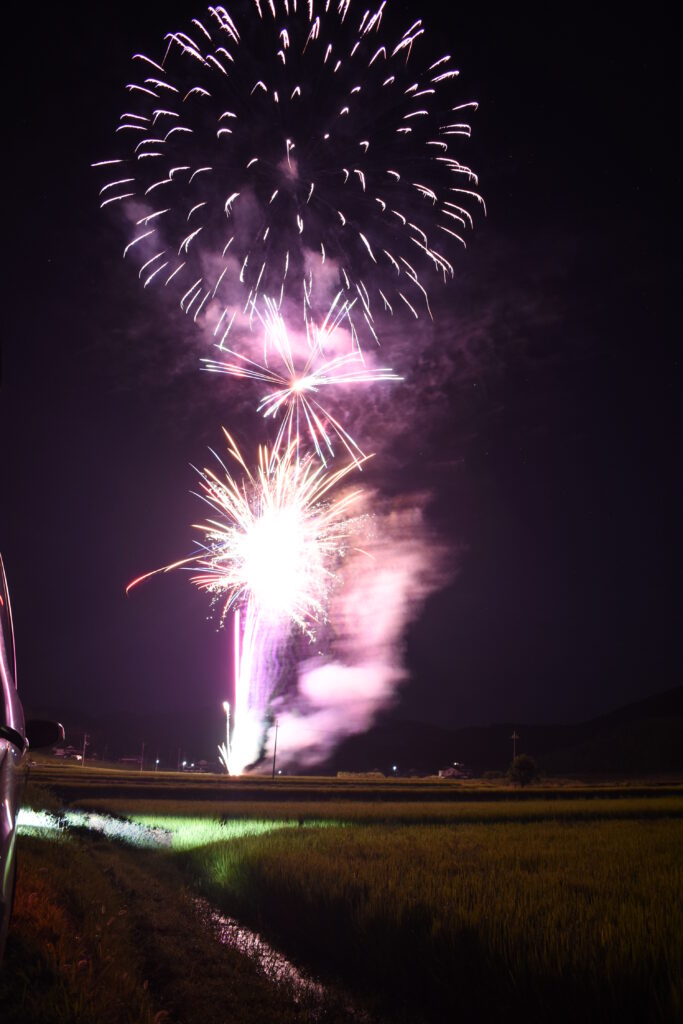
{"x":408,"y":909}
{"x":390,"y":812}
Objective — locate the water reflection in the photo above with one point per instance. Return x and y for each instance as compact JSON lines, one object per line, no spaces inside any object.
{"x":274,"y":965}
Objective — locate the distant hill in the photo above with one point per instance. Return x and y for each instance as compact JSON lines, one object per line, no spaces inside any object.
{"x":640,"y":738}
{"x":646,"y":736}
{"x":643,"y":737}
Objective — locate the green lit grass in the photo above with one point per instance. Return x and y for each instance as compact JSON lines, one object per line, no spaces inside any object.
{"x":187,"y":833}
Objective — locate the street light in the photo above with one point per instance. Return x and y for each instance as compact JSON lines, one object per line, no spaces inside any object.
{"x":275,"y":747}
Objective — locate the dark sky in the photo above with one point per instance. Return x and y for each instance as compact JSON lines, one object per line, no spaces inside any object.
{"x":550,"y":455}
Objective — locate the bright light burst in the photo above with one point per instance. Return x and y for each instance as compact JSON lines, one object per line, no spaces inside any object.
{"x":276,"y":536}
{"x":296,"y":379}
{"x":280,"y":143}
{"x":271,"y":548}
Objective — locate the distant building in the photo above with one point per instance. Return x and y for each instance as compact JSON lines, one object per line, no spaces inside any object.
{"x":376,"y":774}
{"x":68,"y":753}
{"x":455,"y":771}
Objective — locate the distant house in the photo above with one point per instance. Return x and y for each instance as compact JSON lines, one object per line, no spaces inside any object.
{"x":68,"y":753}
{"x":455,"y":771}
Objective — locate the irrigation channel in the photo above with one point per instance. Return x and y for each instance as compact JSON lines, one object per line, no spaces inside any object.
{"x":227,"y":930}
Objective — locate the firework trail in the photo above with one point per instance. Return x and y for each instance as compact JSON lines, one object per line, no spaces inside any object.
{"x":294,"y":150}
{"x":256,"y":672}
{"x":296,"y":379}
{"x":271,"y":549}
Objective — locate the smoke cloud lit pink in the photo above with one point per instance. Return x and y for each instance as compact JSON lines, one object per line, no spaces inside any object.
{"x":382,"y":590}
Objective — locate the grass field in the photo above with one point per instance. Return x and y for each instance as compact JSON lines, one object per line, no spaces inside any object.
{"x":409,"y":906}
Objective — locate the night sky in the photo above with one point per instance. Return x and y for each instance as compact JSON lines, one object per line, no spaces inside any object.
{"x":548,"y":448}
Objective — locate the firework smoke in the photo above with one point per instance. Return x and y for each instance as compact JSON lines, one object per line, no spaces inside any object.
{"x":383,"y":590}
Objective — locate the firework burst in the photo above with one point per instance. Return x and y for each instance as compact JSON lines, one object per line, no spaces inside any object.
{"x":294,"y":381}
{"x":294,"y":149}
{"x":275,"y":536}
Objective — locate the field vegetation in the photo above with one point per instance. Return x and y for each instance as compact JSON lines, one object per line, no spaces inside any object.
{"x":410,"y":907}
{"x":394,"y":812}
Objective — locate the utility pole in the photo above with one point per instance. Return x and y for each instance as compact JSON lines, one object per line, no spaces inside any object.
{"x":514,"y":739}
{"x":142,"y":754}
{"x":85,"y":743}
{"x":275,"y":746}
{"x":227,"y":758}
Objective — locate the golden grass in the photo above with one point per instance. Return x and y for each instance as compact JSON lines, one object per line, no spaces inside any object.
{"x":389,"y":811}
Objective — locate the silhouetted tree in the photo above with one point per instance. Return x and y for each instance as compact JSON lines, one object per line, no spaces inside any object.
{"x":523,"y":769}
